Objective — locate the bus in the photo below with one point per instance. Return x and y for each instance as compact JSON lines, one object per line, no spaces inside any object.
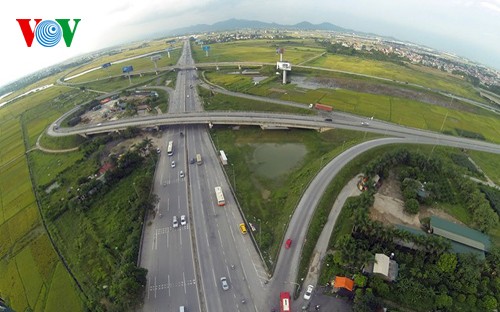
{"x":170,"y":148}
{"x":220,"y":196}
{"x":285,"y":302}
{"x":199,"y":161}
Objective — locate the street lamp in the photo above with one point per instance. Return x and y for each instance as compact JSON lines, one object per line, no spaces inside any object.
{"x":260,"y":234}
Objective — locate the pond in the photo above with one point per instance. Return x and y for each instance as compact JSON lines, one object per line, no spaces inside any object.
{"x":273,"y":159}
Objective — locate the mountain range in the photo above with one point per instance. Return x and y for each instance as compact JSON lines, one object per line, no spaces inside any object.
{"x":234,"y":24}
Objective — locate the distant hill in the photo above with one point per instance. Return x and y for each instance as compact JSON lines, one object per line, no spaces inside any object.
{"x":233,"y":24}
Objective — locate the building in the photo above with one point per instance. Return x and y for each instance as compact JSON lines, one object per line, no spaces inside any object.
{"x":384,"y":267}
{"x":463,"y":239}
{"x":343,"y":286}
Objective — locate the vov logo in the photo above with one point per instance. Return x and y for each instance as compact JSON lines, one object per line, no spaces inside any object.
{"x":48,"y":33}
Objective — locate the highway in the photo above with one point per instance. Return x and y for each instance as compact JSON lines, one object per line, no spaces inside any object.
{"x":166,"y":251}
{"x":185,"y":264}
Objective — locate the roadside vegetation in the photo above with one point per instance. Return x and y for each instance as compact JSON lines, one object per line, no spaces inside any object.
{"x":432,"y":276}
{"x":273,"y":199}
{"x":87,"y":213}
{"x":213,"y":101}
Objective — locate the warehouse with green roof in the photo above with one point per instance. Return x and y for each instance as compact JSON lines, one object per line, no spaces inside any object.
{"x":463,"y":239}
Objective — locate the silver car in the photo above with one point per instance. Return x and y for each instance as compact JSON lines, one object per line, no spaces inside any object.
{"x":175,"y":223}
{"x":308,"y":293}
{"x":223,"y":281}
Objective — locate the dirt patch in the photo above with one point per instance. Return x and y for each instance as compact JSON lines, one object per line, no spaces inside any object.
{"x":265,"y":194}
{"x":391,"y":210}
{"x":388,"y":206}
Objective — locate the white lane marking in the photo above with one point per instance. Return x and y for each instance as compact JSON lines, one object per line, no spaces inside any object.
{"x":168,"y":284}
{"x":184,"y":280}
{"x":155,"y":240}
{"x":155,"y":286}
{"x":168,"y":204}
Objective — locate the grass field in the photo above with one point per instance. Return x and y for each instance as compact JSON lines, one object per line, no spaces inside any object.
{"x":420,"y":75}
{"x":143,"y":63}
{"x":115,"y":83}
{"x":489,"y":163}
{"x":296,"y":51}
{"x":226,"y":102}
{"x":131,"y":50}
{"x":28,"y":260}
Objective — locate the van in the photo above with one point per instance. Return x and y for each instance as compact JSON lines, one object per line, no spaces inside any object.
{"x":181,"y":309}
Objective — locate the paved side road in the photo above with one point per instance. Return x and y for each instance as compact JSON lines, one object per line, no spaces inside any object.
{"x":328,"y":303}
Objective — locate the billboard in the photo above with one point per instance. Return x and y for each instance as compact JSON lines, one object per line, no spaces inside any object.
{"x":155,"y":57}
{"x":127,"y":69}
{"x":283,"y":65}
{"x":206,"y":48}
{"x":106,"y":65}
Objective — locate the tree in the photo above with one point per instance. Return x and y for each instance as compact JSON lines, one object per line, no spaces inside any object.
{"x":360,"y":280}
{"x":447,"y":262}
{"x":412,"y":206}
{"x":443,"y":301}
{"x":488,"y":303}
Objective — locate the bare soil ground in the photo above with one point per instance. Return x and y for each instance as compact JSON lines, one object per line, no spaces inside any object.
{"x":388,"y":206}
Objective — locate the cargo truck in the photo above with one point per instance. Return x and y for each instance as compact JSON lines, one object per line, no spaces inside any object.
{"x":323,"y":107}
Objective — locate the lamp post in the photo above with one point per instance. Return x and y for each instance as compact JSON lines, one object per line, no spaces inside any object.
{"x":260,"y":233}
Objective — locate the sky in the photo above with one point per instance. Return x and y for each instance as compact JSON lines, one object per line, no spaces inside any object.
{"x":467,"y":28}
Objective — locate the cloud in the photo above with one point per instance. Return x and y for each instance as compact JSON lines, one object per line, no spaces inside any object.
{"x":493,"y":5}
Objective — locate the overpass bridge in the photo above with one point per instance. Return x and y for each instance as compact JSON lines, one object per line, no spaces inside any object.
{"x":274,"y":120}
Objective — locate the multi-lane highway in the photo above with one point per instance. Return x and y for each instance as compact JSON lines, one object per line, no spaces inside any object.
{"x":185,"y":264}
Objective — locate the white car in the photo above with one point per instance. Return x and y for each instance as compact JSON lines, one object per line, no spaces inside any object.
{"x":175,"y":223}
{"x":181,"y":174}
{"x":365,"y":123}
{"x":183,"y":220}
{"x":158,"y":150}
{"x":172,"y":164}
{"x":223,"y":281}
{"x":308,"y":293}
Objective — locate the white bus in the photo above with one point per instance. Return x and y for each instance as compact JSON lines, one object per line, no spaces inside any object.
{"x":170,"y":148}
{"x":220,"y":196}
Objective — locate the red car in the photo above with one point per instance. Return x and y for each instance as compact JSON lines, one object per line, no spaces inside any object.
{"x":288,"y":243}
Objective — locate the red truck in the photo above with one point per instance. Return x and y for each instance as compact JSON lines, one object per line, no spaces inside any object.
{"x":323,"y":107}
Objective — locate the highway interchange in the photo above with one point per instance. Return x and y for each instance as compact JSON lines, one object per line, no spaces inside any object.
{"x":185,"y":264}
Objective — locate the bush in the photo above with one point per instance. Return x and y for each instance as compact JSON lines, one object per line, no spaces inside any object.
{"x":412,"y":206}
